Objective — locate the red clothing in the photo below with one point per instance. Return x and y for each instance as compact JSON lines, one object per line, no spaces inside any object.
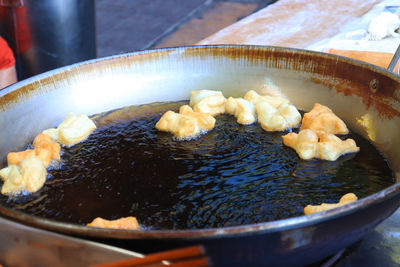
{"x":17,"y":18}
{"x":7,"y":58}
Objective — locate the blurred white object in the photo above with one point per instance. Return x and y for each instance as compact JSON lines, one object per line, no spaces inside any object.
{"x":355,"y":35}
{"x":384,"y":25}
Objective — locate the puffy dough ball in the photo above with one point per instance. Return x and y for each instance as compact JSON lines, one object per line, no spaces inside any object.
{"x":283,"y":117}
{"x":186,"y":124}
{"x":242,"y":109}
{"x":74,"y":129}
{"x":30,"y":175}
{"x":347,"y":198}
{"x":208,"y":101}
{"x":321,"y":119}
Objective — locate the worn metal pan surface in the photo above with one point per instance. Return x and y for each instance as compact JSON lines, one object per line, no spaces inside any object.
{"x":351,"y":88}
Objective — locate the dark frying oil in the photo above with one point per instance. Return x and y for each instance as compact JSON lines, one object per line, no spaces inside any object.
{"x":232,"y":175}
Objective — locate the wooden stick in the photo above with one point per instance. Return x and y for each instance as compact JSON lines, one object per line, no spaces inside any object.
{"x":171,"y":255}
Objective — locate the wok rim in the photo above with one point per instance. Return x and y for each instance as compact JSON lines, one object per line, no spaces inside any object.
{"x":248,"y":229}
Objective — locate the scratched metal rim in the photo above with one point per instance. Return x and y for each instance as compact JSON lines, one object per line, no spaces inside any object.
{"x":272,"y":226}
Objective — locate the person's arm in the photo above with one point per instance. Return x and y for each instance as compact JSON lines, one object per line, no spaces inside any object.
{"x":8,"y":74}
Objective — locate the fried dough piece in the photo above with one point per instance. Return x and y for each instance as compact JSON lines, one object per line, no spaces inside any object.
{"x":274,"y":101}
{"x":15,"y":158}
{"x":29,"y":175}
{"x":205,"y":121}
{"x":127,"y":223}
{"x":74,"y":129}
{"x":347,"y":198}
{"x":181,"y":126}
{"x":242,"y":109}
{"x":283,"y":117}
{"x":12,"y":178}
{"x":329,"y":147}
{"x":186,"y":124}
{"x":305,"y":143}
{"x":44,"y":147}
{"x":207,"y":101}
{"x":322,"y":119}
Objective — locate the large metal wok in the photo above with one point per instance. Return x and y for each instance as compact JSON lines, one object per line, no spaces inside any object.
{"x":351,"y":88}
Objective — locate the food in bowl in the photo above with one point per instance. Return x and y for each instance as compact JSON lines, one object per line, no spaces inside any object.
{"x":44,"y":147}
{"x":274,"y":113}
{"x":242,"y":109}
{"x":186,"y":124}
{"x":326,"y":146}
{"x":346,"y":199}
{"x":126,"y":223}
{"x":208,"y":101}
{"x":233,"y":175}
{"x":321,"y":119}
{"x":29,"y":175}
{"x":74,"y":129}
{"x":26,"y":171}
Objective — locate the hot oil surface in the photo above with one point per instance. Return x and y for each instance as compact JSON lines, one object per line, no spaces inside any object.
{"x":232,"y":175}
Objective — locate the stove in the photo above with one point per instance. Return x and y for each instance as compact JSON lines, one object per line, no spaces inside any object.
{"x":381,"y":247}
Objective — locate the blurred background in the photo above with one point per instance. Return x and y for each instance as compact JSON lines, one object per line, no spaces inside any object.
{"x":48,"y":34}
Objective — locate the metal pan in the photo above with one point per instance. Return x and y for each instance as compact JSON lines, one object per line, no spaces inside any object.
{"x":351,"y":88}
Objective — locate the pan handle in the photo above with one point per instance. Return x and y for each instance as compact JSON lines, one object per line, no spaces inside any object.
{"x":394,"y":60}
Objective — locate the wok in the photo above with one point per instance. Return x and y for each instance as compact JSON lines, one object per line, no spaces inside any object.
{"x":349,"y":87}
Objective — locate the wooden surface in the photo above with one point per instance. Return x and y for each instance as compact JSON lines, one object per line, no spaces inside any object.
{"x":292,"y":23}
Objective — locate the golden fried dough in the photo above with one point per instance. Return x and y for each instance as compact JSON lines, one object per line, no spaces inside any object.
{"x":321,"y":119}
{"x":274,"y":101}
{"x":347,"y":198}
{"x":242,"y":109}
{"x":205,"y":121}
{"x":283,"y":117}
{"x":12,"y":180}
{"x":127,"y":223}
{"x":27,"y":169}
{"x":74,"y":129}
{"x":181,"y":126}
{"x":42,"y":140}
{"x":329,"y":147}
{"x":44,"y":147}
{"x":15,"y":158}
{"x":207,"y":101}
{"x":186,"y":124}
{"x":29,"y":175}
{"x":305,"y":143}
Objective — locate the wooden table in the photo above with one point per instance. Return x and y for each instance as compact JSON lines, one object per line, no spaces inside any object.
{"x":292,"y":23}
